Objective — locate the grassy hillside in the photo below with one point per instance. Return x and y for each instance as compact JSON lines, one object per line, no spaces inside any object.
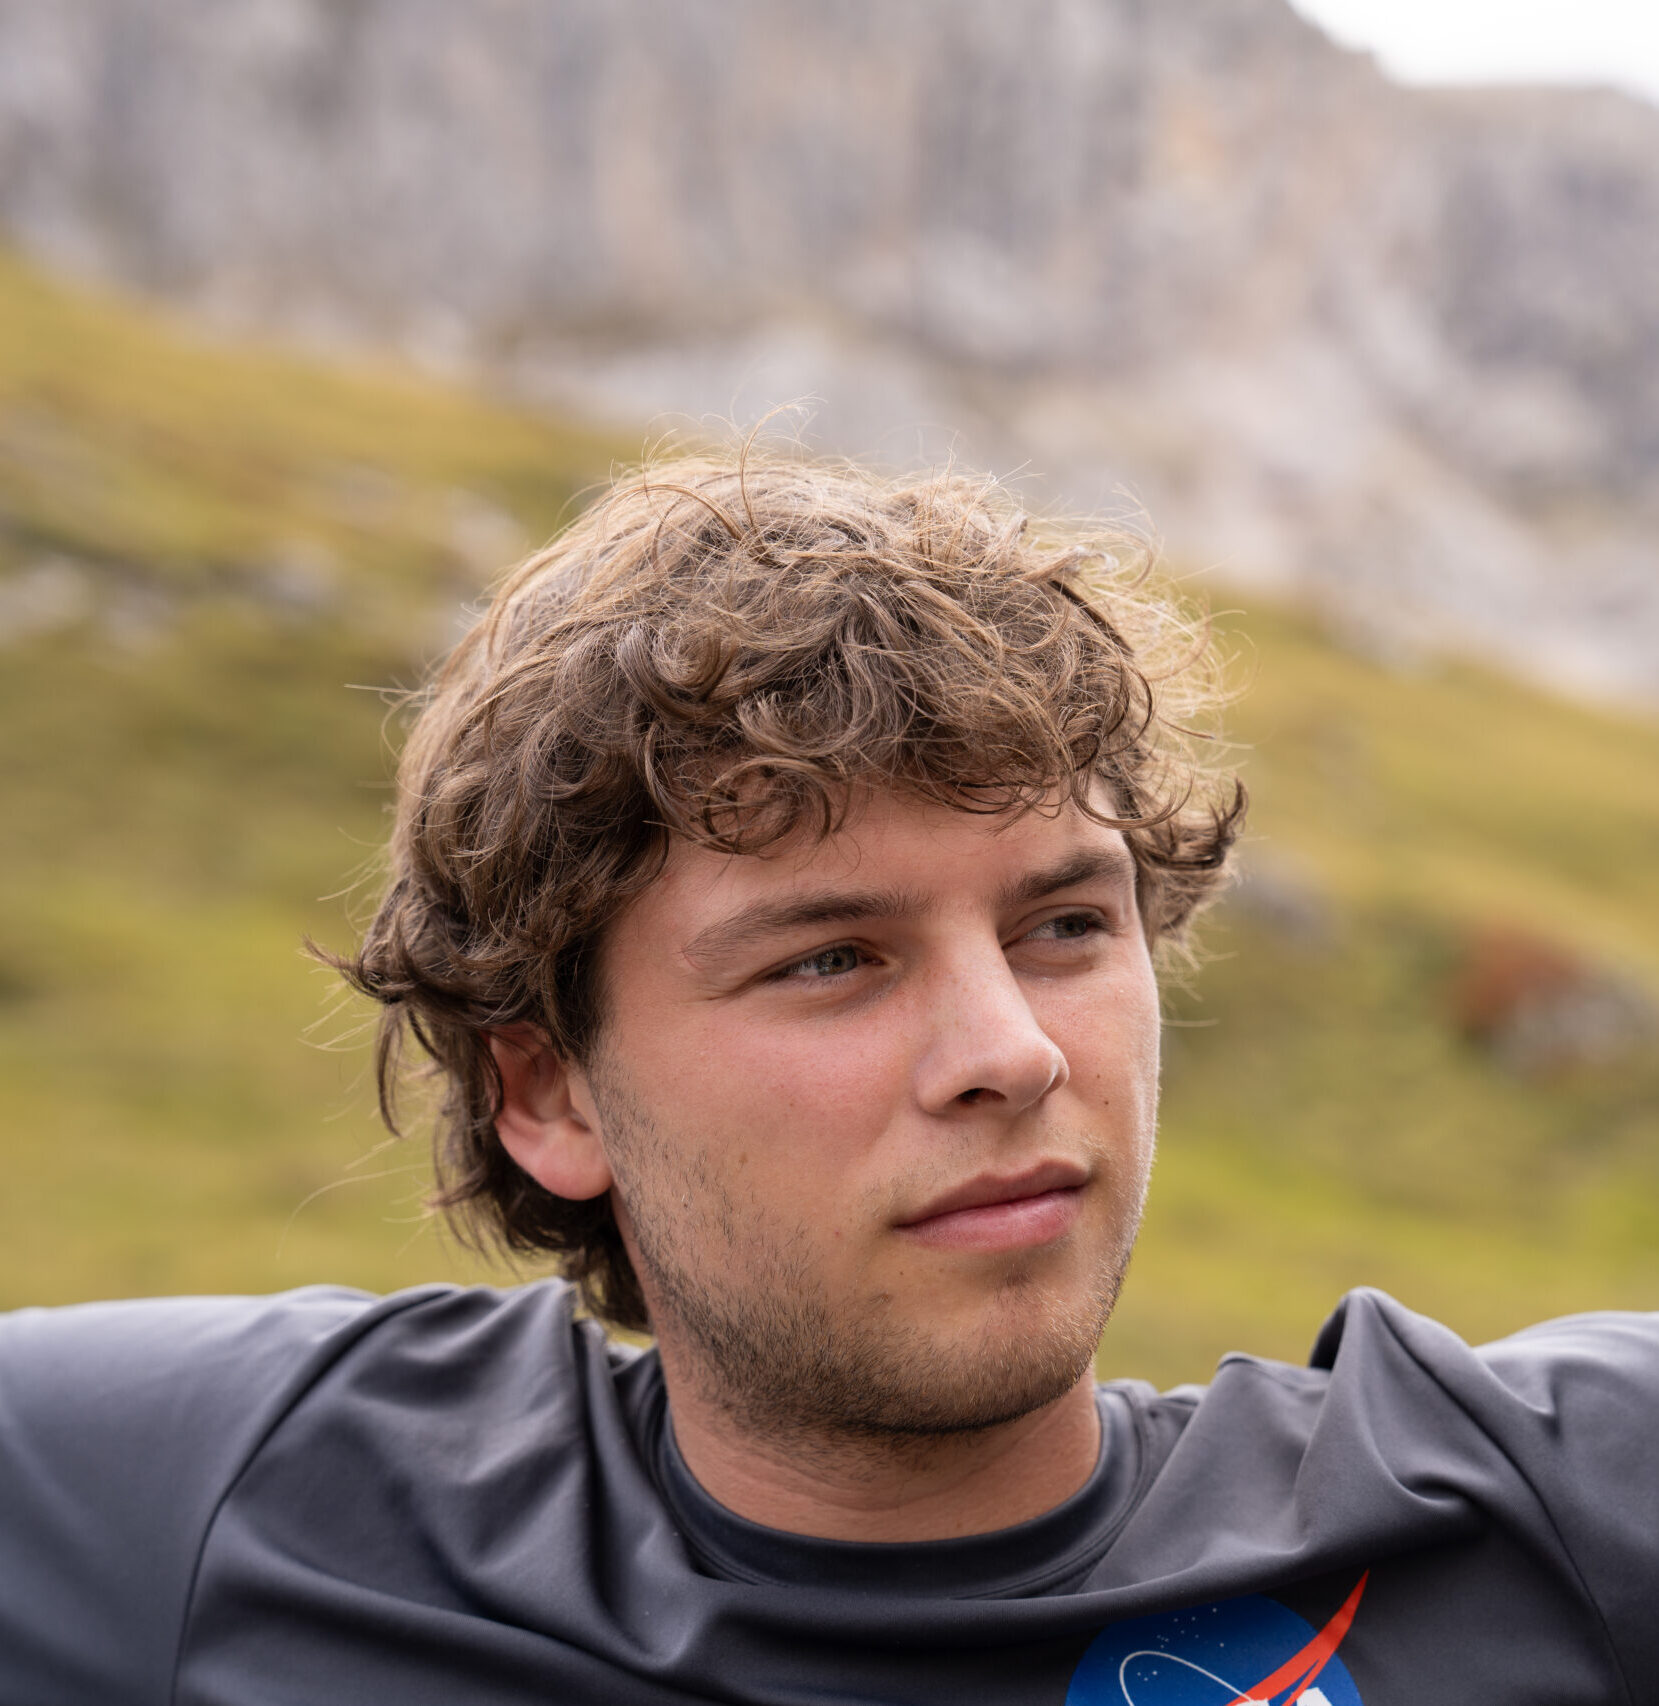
{"x":204,"y":551}
{"x":1326,"y":1124}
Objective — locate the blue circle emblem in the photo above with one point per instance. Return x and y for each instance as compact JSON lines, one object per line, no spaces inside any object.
{"x":1235,"y":1651}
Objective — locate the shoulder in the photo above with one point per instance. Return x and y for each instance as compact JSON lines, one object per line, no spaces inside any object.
{"x":198,"y":1363}
{"x":157,"y":1340}
{"x":122,"y":1425}
{"x":1551,"y":1434}
{"x":1580,"y":1362}
{"x":175,"y":1379}
{"x":1558,"y":1420}
{"x":1549,"y":1393}
{"x":1564,"y":1381}
{"x":130,"y":1390}
{"x":1564,"y":1372}
{"x":145,"y":1390}
{"x":1400,"y":1437}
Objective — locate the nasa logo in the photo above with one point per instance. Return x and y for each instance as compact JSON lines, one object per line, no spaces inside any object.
{"x":1237,"y":1652}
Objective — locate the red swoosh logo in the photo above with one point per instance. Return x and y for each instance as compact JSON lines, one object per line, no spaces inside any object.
{"x":1300,"y":1669}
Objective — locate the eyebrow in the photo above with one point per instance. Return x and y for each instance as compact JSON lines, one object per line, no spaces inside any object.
{"x":764,"y":919}
{"x":775,"y":918}
{"x":1099,"y":864}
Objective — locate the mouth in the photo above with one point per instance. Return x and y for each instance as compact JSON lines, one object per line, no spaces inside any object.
{"x":1002,"y":1212}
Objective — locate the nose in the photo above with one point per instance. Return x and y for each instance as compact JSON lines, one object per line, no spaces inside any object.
{"x":985,"y":1045}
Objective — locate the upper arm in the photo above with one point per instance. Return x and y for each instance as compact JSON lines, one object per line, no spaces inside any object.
{"x":1588,"y":1391}
{"x":121,"y":1425}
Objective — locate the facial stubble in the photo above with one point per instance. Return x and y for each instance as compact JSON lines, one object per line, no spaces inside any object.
{"x":755,"y":1327}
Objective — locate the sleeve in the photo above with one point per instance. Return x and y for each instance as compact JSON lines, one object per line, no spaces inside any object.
{"x":121,"y":1426}
{"x":1587,"y":1437}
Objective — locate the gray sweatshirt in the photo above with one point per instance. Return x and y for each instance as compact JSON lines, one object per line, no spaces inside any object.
{"x":468,"y":1498}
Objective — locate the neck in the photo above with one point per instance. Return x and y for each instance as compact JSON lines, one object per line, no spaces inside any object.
{"x":932,"y":1487}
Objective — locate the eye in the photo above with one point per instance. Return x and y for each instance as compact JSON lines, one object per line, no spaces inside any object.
{"x":826,"y":963}
{"x":1067,"y":927}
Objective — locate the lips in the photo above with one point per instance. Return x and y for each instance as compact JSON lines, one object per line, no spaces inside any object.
{"x":987,"y":1189}
{"x":1003,"y":1211}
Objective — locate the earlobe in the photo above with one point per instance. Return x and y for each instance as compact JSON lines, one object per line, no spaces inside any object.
{"x":547,"y":1121}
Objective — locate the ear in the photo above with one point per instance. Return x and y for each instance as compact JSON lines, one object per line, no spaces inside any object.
{"x":548,"y":1122}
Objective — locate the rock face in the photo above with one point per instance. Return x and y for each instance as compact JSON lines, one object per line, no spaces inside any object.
{"x":1396,"y":350}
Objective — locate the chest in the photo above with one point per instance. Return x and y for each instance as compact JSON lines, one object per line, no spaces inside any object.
{"x":1457,"y":1624}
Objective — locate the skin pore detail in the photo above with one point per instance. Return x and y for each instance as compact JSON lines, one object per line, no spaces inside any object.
{"x":877,"y":1115}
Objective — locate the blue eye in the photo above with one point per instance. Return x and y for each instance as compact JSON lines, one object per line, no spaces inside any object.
{"x":831,"y":962}
{"x":1069,"y":927}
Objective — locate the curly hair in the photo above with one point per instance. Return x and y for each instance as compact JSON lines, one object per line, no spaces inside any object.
{"x":730,"y":651}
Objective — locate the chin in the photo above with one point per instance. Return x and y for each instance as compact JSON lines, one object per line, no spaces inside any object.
{"x":805,"y":1370}
{"x":978,"y":1393}
{"x":1032,"y":1351}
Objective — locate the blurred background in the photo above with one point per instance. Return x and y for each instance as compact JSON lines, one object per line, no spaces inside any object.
{"x":315,"y":314}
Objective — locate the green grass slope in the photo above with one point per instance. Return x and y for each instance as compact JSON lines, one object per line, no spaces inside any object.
{"x":202,"y":548}
{"x":1325,"y":1123}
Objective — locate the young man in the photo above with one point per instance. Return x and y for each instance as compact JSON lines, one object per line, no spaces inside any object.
{"x":775,"y":887}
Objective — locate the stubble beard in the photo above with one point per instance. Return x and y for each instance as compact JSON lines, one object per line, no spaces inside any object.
{"x":754,"y":1327}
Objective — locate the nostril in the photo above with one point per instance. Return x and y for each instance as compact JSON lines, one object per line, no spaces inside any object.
{"x":970,"y":1095}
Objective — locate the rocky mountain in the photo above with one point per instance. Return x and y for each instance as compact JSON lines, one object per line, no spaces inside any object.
{"x":1395,"y":350}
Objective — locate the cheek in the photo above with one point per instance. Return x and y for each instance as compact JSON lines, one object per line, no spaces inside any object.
{"x":796,"y":1093}
{"x":1109,"y":1033}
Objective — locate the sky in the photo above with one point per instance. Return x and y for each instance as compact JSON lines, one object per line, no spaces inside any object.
{"x":1502,"y":41}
